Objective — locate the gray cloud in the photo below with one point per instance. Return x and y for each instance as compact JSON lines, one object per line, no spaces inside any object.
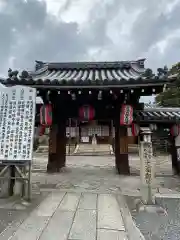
{"x":28,"y":33}
{"x":153,"y":24}
{"x":151,"y":27}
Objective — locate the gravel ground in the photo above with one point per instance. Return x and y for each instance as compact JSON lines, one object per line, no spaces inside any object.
{"x":13,"y":212}
{"x":7,"y":217}
{"x":158,"y":226}
{"x":90,"y":170}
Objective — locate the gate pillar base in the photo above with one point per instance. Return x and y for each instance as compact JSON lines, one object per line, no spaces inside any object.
{"x":52,"y":163}
{"x":122,"y":164}
{"x":57,"y":147}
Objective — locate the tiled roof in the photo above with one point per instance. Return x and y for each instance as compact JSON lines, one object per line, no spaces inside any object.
{"x":157,"y":113}
{"x":78,"y":72}
{"x":87,"y":74}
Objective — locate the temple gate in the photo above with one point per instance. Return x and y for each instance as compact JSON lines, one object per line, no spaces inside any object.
{"x":111,"y":90}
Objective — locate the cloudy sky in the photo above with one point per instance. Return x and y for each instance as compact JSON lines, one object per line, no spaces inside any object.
{"x":70,"y":30}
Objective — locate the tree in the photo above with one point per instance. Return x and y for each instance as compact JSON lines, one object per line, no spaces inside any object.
{"x":171,"y":96}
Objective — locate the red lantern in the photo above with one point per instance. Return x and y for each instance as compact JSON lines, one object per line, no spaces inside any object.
{"x":86,"y":113}
{"x":126,"y":116}
{"x":46,"y":115}
{"x":135,"y":129}
{"x":42,"y":130}
{"x":175,"y":130}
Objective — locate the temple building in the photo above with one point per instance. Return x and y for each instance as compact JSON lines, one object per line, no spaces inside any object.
{"x":96,"y":100}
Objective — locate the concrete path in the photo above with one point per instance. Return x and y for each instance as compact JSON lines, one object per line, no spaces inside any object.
{"x":72,"y":216}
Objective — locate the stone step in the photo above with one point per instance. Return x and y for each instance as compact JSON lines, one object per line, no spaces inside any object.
{"x":90,"y":150}
{"x":45,"y":149}
{"x":92,"y":154}
{"x":91,"y":147}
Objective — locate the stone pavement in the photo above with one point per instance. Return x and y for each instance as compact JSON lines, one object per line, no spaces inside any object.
{"x":72,"y":216}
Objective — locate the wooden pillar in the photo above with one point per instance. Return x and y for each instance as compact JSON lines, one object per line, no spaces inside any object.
{"x":125,"y":169}
{"x":61,"y":146}
{"x":77,"y":132}
{"x":80,"y":131}
{"x":111,"y":132}
{"x":69,"y":138}
{"x":174,"y":157}
{"x":57,"y":146}
{"x":121,"y":146}
{"x":52,"y":157}
{"x":117,"y":144}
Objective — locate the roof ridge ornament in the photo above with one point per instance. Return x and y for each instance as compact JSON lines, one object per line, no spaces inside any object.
{"x":24,"y":74}
{"x":141,"y":62}
{"x":39,"y":65}
{"x":12,"y":74}
{"x":162,"y":72}
{"x":148,"y":73}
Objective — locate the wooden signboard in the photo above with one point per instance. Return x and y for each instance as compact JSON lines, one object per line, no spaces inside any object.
{"x":17,"y":118}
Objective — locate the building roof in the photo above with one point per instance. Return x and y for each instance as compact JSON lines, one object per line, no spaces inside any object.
{"x":85,"y":74}
{"x":154,"y":113}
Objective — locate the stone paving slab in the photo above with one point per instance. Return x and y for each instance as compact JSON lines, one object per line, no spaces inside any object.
{"x":59,"y":226}
{"x":31,"y":228}
{"x":88,"y":201}
{"x":70,"y":202}
{"x":109,"y":214}
{"x":49,"y":205}
{"x":84,"y":225}
{"x":104,"y":234}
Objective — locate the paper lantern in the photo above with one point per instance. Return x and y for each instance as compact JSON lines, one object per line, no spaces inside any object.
{"x":46,"y":115}
{"x":126,"y":116}
{"x":175,"y":130}
{"x":86,"y":113}
{"x":42,"y":130}
{"x":135,"y":129}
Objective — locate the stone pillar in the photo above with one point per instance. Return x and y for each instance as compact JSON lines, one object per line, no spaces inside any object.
{"x":57,"y":146}
{"x":121,"y":147}
{"x":147,"y":165}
